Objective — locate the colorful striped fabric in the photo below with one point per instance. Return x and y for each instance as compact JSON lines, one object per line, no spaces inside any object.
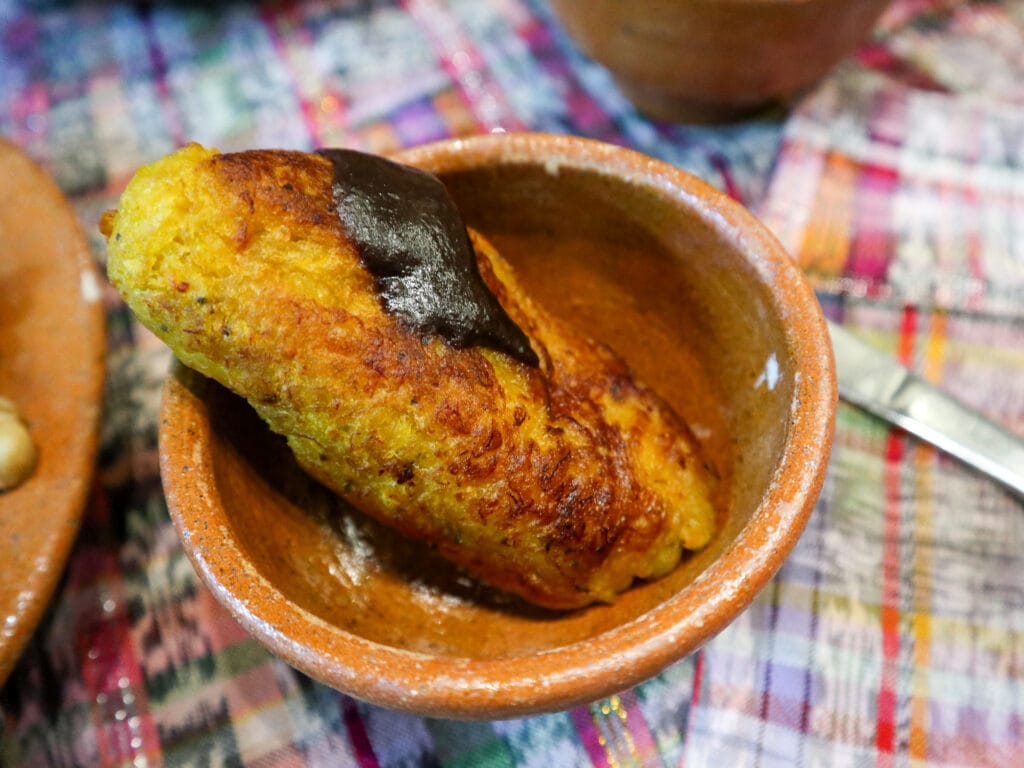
{"x":893,"y":635}
{"x":899,"y":178}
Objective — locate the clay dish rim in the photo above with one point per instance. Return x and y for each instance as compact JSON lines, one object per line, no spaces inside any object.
{"x":583,"y":671}
{"x":52,"y":367}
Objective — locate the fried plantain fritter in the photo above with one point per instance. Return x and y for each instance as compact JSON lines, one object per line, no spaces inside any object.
{"x":561,"y":481}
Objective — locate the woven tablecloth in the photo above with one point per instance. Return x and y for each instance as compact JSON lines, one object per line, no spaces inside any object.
{"x":894,"y":633}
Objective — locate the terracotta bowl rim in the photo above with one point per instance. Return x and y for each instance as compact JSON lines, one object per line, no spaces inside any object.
{"x":44,"y":514}
{"x":586,"y":670}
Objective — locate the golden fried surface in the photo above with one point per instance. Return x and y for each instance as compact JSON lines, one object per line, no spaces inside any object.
{"x":561,"y":483}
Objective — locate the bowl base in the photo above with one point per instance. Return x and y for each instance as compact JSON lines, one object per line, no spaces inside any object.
{"x":660,"y":105}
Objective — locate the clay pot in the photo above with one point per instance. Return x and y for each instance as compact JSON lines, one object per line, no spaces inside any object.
{"x":697,"y":296}
{"x":716,"y":60}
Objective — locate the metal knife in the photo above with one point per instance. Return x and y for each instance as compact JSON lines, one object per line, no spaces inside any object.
{"x":874,"y":381}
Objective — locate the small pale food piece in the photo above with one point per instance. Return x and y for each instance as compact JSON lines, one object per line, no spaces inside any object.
{"x":17,"y":450}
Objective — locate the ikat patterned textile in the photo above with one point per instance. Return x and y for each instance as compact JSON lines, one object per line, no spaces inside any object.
{"x":893,"y":635}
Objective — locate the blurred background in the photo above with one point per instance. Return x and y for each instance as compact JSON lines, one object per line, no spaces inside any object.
{"x":893,"y":635}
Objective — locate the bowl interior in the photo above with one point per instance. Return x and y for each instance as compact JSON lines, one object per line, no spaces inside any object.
{"x":666,"y":279}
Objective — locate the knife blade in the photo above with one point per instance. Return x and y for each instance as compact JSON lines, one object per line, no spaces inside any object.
{"x":874,"y":381}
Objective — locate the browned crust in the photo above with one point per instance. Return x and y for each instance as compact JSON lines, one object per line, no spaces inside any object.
{"x":539,"y":491}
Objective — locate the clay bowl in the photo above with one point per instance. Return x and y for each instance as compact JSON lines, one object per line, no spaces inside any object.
{"x":52,"y":345}
{"x":709,"y":310}
{"x":716,"y":60}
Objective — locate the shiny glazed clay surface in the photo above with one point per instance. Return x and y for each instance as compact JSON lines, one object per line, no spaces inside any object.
{"x":52,"y":341}
{"x":708,"y":311}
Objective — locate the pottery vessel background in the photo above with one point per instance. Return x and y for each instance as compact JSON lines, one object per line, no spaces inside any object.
{"x":716,"y":60}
